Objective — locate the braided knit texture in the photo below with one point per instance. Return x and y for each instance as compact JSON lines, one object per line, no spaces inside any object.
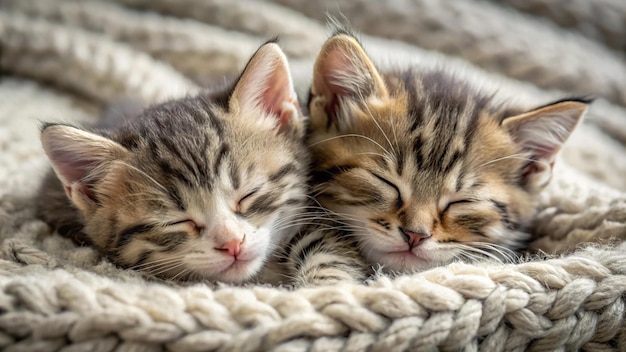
{"x":601,"y":20}
{"x":63,"y":60}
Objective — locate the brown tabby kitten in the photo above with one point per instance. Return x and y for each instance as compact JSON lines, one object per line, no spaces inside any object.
{"x":204,"y":187}
{"x":420,"y":168}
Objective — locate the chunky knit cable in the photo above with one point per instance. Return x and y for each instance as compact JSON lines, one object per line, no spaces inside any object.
{"x":601,"y":20}
{"x":90,"y":64}
{"x":589,"y":213}
{"x":299,"y":35}
{"x":489,"y":36}
{"x":204,"y":53}
{"x":55,"y":296}
{"x":570,"y":303}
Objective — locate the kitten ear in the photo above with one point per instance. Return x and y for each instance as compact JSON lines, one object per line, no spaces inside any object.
{"x":542,"y":132}
{"x":343,"y":69}
{"x":266,"y":83}
{"x":78,"y":158}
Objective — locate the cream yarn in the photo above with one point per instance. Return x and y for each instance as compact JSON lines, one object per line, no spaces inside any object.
{"x":69,"y":58}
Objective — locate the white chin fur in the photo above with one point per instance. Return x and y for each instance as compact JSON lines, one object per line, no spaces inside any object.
{"x":213,"y":265}
{"x":398,"y":262}
{"x":394,"y":255}
{"x":227,"y":269}
{"x":259,"y":249}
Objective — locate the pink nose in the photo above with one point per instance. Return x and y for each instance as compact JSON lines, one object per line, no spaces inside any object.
{"x":233,"y":248}
{"x":414,"y":238}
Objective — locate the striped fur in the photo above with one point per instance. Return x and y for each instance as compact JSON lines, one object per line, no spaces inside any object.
{"x":422,"y":167}
{"x":201,"y":188}
{"x":322,"y":255}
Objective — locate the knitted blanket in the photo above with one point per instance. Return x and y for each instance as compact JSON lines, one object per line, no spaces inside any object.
{"x":63,"y":60}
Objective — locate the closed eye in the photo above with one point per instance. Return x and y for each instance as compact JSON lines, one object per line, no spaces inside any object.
{"x":461,"y":201}
{"x":187,"y":222}
{"x":248,"y":195}
{"x":245,"y":200}
{"x":399,"y":202}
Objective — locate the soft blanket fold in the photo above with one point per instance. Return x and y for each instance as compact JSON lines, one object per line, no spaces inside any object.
{"x":63,"y":60}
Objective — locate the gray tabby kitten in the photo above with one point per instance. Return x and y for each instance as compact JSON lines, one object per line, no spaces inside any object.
{"x":205,"y":187}
{"x":419,"y":168}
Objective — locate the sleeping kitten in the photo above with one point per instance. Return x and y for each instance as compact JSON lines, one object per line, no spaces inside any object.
{"x":204,"y":187}
{"x":418,"y":167}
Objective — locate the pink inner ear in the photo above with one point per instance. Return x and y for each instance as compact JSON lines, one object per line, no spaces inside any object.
{"x":278,"y":91}
{"x":73,"y":164}
{"x":73,"y":170}
{"x":535,"y":167}
{"x":284,"y":120}
{"x":81,"y":188}
{"x":266,"y":84}
{"x":78,"y":157}
{"x":335,"y":61}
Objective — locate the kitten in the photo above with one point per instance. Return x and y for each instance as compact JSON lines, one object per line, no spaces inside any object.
{"x":419,"y":166}
{"x":201,"y":188}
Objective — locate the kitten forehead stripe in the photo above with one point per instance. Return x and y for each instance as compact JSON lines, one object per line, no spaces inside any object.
{"x":400,"y":155}
{"x":184,"y":153}
{"x":174,"y":195}
{"x":285,"y":170}
{"x":170,"y":171}
{"x":417,"y":151}
{"x":221,"y":154}
{"x":234,"y":175}
{"x":415,"y":113}
{"x":459,"y":180}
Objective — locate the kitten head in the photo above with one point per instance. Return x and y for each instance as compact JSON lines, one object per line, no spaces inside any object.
{"x":199,"y":188}
{"x":421,"y":166}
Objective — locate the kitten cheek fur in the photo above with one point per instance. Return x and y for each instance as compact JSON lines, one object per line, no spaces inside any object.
{"x":438,"y":141}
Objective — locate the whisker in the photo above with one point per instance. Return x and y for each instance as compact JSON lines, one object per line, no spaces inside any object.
{"x":512,"y":156}
{"x":144,"y":174}
{"x":158,"y":261}
{"x":373,"y":153}
{"x":320,"y":227}
{"x":480,"y":251}
{"x":152,"y":268}
{"x":350,"y":135}
{"x":310,"y":218}
{"x":395,"y":136}
{"x":369,"y":112}
{"x":348,"y":216}
{"x":181,"y":273}
{"x":166,"y":269}
{"x":508,"y":254}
